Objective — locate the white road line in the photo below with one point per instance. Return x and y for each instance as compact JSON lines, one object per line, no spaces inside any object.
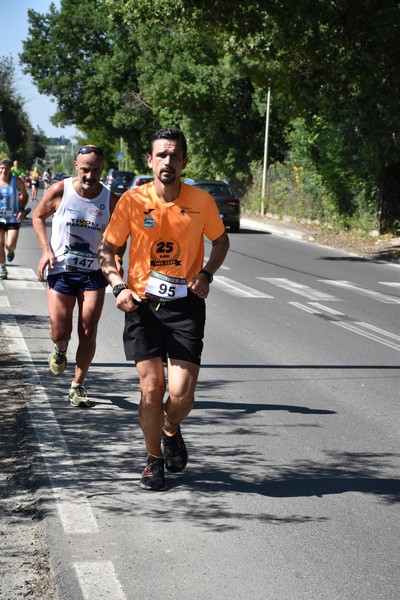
{"x":21,"y":278}
{"x":355,"y":327}
{"x":24,"y":273}
{"x":366,"y":334}
{"x":25,"y":285}
{"x":364,"y":292}
{"x":388,"y":334}
{"x":99,"y":580}
{"x":73,"y":507}
{"x":304,"y":307}
{"x":298,"y":288}
{"x":327,"y":309}
{"x":4,"y":303}
{"x":235,"y":288}
{"x":395,"y":284}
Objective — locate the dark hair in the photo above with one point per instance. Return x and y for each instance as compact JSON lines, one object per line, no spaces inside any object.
{"x":6,"y":161}
{"x":170,"y":133}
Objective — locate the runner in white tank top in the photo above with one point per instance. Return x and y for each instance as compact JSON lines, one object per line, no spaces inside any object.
{"x":81,"y":207}
{"x":78,"y":226}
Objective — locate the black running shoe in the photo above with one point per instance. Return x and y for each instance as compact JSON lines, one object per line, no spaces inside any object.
{"x":153,"y":475}
{"x":175,"y":452}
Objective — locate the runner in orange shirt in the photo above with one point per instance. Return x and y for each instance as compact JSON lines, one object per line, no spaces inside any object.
{"x":164,"y":299}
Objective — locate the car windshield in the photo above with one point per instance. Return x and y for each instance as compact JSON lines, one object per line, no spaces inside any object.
{"x":216,"y":189}
{"x":123,"y":175}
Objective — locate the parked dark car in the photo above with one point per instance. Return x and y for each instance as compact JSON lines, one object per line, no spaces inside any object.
{"x":226,"y":198}
{"x":119,"y":181}
{"x":59,"y":176}
{"x":140,"y":180}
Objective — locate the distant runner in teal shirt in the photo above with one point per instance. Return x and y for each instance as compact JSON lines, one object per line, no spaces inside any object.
{"x":13,"y":200}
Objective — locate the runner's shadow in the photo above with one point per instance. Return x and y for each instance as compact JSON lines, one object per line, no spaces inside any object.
{"x":255,"y":408}
{"x":346,"y":472}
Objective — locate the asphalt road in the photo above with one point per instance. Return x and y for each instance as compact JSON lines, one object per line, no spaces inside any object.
{"x":292,"y":491}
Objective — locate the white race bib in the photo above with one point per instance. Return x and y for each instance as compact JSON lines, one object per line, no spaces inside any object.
{"x":79,"y":260}
{"x":6,"y":213}
{"x":164,"y":288}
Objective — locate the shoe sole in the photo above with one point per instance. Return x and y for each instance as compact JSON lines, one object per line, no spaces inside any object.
{"x":150,"y":489}
{"x":85,"y":404}
{"x":173,"y":469}
{"x":77,"y":404}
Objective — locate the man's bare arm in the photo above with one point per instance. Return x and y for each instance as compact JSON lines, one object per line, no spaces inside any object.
{"x":23,"y":193}
{"x":199,"y":283}
{"x":127,"y":300}
{"x":106,"y":254}
{"x":46,"y":207}
{"x":219,"y":250}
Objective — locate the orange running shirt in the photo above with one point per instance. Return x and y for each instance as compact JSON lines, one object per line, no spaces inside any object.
{"x":164,"y":237}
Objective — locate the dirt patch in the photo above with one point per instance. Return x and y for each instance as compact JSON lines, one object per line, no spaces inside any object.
{"x":25,"y":564}
{"x":380,"y":247}
{"x":373,"y":246}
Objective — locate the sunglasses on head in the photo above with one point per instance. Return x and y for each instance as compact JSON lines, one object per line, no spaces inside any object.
{"x":90,"y":149}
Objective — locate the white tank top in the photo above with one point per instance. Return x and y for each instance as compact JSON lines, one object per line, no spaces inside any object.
{"x":77,"y":230}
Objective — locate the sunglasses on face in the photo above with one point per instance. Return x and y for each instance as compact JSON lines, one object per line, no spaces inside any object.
{"x":90,"y":149}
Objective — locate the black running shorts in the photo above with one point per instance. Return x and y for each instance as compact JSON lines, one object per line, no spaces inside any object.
{"x":171,"y":329}
{"x":9,"y":226}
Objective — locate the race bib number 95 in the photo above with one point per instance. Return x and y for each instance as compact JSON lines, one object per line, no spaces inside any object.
{"x":164,"y":288}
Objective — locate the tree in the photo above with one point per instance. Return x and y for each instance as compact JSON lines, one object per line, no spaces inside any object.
{"x":342,"y":68}
{"x":17,"y":136}
{"x":335,"y":64}
{"x":88,"y":65}
{"x":133,"y":65}
{"x":117,"y":78}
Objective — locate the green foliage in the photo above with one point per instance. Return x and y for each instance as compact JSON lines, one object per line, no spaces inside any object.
{"x":290,"y":191}
{"x":88,"y":64}
{"x":131,"y":66}
{"x":17,"y":137}
{"x":4,"y":149}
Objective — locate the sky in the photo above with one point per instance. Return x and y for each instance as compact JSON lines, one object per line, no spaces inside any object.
{"x":14,"y":30}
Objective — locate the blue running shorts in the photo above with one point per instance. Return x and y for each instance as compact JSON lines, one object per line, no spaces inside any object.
{"x":72,"y":283}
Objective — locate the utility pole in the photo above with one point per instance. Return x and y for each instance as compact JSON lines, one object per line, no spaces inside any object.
{"x":122,"y":164}
{"x":265,"y":165}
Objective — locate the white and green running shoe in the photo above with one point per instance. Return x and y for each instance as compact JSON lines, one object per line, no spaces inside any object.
{"x":78,"y":395}
{"x":58,"y":361}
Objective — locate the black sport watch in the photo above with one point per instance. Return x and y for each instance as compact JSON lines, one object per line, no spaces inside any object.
{"x":117,"y":289}
{"x":209,"y":276}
